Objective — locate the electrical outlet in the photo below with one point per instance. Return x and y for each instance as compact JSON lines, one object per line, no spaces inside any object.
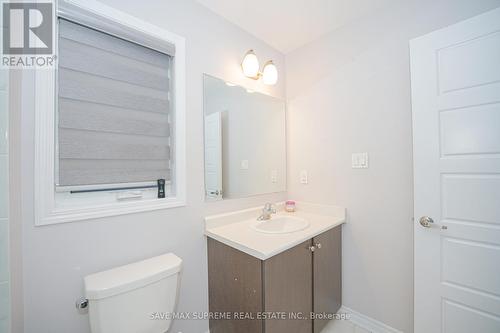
{"x":244,"y":164}
{"x":274,"y":176}
{"x":303,"y":177}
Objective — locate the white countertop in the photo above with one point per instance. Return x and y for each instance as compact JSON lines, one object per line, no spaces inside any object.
{"x":234,"y":229}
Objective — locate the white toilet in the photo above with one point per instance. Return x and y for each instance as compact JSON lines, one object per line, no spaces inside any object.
{"x":131,"y":298}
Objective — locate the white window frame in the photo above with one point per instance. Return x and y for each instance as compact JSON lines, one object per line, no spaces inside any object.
{"x":50,"y":207}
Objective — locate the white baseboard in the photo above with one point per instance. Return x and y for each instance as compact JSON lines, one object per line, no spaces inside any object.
{"x":370,"y":324}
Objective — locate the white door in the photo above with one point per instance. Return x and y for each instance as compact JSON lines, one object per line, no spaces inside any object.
{"x":456,"y":126}
{"x":213,"y":155}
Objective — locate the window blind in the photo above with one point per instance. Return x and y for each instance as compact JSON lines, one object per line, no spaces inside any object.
{"x":113,"y":110}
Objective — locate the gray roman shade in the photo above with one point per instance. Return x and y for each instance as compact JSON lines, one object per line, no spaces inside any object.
{"x":114,"y":110}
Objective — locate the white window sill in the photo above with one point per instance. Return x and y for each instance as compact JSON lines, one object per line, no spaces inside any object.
{"x":115,"y":209}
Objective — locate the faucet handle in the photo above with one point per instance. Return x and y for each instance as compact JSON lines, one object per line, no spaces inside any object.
{"x":267,"y":211}
{"x":270,"y":207}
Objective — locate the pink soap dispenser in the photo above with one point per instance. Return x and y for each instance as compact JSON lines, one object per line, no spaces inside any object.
{"x":290,"y":206}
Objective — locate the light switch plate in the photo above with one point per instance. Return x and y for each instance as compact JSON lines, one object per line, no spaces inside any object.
{"x":360,"y":160}
{"x":303,"y":177}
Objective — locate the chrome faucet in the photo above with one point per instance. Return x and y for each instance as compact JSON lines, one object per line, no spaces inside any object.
{"x":266,"y":212}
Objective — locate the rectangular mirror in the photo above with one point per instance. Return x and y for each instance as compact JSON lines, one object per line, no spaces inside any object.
{"x":245,"y":142}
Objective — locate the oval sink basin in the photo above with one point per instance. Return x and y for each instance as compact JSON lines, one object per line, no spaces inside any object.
{"x":281,"y":225}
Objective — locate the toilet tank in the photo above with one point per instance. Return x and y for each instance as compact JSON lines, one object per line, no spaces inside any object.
{"x":134,"y":298}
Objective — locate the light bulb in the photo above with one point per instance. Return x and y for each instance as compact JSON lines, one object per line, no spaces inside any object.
{"x":270,"y":73}
{"x":250,"y":65}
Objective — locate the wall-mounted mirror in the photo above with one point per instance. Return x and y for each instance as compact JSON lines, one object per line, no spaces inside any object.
{"x":245,"y":142}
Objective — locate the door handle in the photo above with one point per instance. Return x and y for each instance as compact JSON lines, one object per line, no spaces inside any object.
{"x":427,"y":222}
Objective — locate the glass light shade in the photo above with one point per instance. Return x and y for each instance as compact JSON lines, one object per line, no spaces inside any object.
{"x":270,"y":73}
{"x":250,"y":65}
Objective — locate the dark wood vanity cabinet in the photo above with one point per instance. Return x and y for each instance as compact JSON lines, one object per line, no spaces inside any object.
{"x":288,"y":287}
{"x":296,"y":282}
{"x":327,"y":275}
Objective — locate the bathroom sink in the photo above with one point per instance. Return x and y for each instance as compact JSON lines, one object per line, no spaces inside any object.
{"x":281,"y":225}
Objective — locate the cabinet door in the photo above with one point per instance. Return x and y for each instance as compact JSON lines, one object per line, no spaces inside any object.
{"x":234,"y":285}
{"x":327,"y":274}
{"x":288,"y":288}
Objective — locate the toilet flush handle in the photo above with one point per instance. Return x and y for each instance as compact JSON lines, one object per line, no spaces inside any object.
{"x":82,"y":303}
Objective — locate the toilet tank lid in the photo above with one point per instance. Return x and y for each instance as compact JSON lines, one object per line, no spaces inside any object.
{"x":125,"y":278}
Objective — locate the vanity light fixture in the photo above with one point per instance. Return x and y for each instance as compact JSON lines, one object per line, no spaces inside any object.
{"x":250,"y":65}
{"x":270,"y":73}
{"x":251,"y":69}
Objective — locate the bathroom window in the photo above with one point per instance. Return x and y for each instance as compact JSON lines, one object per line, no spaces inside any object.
{"x":116,"y":120}
{"x":114,"y":113}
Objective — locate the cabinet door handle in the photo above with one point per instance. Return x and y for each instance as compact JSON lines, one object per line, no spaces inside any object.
{"x":312,"y":248}
{"x":318,"y":245}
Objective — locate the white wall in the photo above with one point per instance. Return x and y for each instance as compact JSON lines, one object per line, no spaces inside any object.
{"x":253,"y":129}
{"x":15,"y":208}
{"x":57,"y":257}
{"x":350,"y":92}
